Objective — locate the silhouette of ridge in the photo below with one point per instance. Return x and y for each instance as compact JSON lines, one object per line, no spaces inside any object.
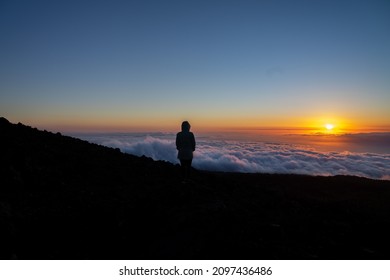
{"x":64,"y":198}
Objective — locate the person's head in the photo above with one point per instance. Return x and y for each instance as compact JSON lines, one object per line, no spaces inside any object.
{"x":185,"y":126}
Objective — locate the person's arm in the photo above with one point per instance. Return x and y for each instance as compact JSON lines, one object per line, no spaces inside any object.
{"x":177,"y":141}
{"x":193,"y":142}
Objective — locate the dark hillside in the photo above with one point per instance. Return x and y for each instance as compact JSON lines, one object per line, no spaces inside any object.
{"x":64,"y":198}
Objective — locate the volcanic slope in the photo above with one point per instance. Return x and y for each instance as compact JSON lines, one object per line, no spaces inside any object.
{"x":64,"y":198}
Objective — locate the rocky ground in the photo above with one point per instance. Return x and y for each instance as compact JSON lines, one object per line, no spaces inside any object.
{"x":64,"y":198}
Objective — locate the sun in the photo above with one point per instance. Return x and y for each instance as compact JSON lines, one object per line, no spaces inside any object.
{"x":329,"y":126}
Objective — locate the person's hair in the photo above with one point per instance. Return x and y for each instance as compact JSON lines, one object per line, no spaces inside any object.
{"x":185,"y":126}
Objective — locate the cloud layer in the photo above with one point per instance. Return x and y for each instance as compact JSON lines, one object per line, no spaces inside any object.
{"x":233,"y":156}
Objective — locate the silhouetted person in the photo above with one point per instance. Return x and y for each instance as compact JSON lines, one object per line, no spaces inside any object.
{"x":185,"y":144}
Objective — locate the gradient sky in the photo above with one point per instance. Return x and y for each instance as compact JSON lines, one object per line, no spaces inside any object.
{"x":148,"y":65}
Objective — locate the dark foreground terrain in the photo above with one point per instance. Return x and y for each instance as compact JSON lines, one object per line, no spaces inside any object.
{"x":63,"y":198}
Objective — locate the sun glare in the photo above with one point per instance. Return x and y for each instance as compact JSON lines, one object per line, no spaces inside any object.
{"x":329,"y":126}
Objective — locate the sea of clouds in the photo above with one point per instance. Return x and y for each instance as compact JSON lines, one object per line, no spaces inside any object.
{"x":247,"y":156}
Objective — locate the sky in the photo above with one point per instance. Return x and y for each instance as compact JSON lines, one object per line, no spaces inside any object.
{"x":222,"y":65}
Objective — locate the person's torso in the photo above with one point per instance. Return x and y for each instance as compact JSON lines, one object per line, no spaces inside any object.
{"x":186,"y":140}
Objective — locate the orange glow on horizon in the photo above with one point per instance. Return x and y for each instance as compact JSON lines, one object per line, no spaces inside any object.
{"x":302,"y":125}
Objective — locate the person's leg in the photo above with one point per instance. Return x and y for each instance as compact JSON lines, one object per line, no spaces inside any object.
{"x":185,"y":168}
{"x":188,"y":168}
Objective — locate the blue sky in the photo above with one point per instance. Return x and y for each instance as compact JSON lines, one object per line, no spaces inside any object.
{"x":122,"y":65}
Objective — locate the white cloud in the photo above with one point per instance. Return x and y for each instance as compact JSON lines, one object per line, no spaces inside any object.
{"x":232,"y":156}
